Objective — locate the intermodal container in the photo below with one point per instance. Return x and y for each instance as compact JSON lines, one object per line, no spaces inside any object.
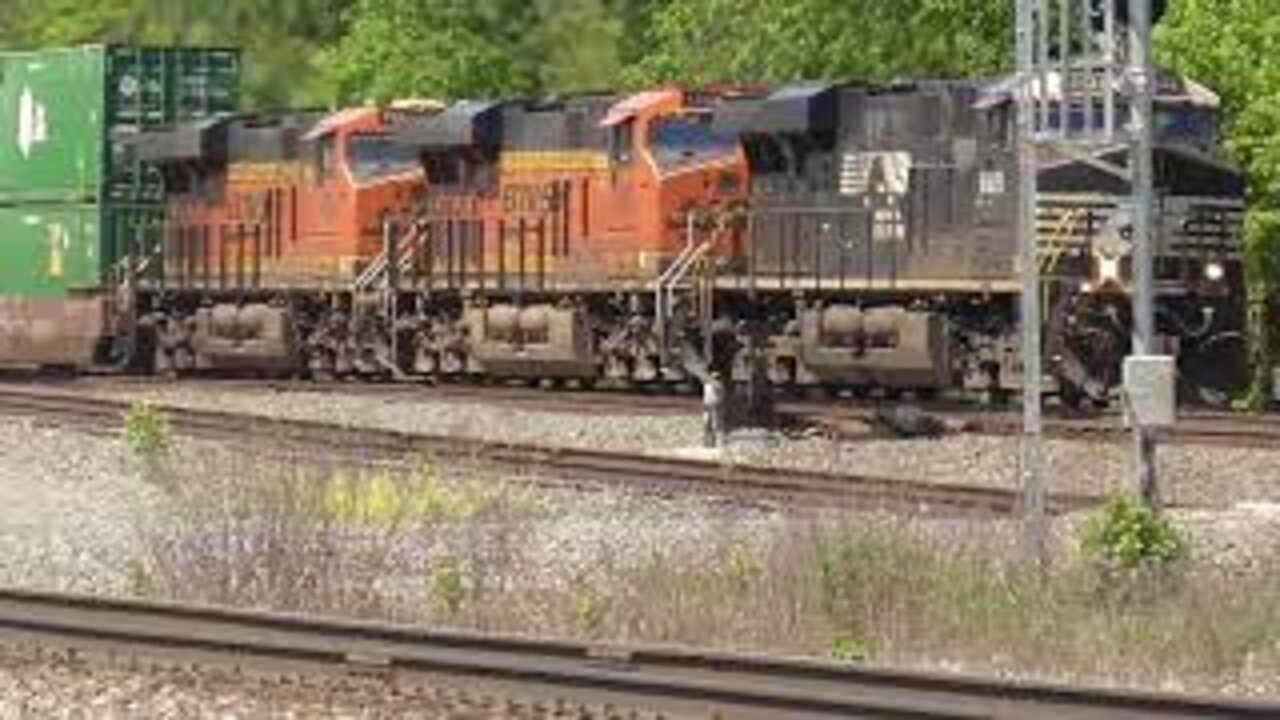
{"x":63,"y":114}
{"x":73,"y":199}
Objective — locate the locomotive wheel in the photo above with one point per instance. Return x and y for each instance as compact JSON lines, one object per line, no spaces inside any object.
{"x":1216,"y":371}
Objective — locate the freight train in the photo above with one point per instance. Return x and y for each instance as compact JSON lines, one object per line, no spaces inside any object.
{"x":831,"y":235}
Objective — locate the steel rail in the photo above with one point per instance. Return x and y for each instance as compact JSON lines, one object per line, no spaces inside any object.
{"x":557,"y":465}
{"x":1235,"y":431}
{"x":656,"y":679}
{"x":840,"y":419}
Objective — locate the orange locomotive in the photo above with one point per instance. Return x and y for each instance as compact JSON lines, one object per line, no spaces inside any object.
{"x":515,"y":239}
{"x":560,"y":232}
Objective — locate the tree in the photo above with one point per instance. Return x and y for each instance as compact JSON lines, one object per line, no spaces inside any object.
{"x":578,"y":44}
{"x":281,"y":38}
{"x":440,"y":48}
{"x":482,"y":48}
{"x":702,"y":41}
{"x":1234,"y":46}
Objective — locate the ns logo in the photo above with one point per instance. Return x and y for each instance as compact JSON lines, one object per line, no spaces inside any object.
{"x":33,"y":125}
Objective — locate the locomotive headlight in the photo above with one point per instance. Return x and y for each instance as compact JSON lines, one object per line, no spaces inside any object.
{"x":1214,"y":272}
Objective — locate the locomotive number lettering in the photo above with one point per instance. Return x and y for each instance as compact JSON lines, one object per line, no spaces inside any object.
{"x":517,"y":199}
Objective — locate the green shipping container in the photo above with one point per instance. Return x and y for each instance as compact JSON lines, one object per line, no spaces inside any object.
{"x":72,"y":197}
{"x":64,"y":112}
{"x":49,"y":249}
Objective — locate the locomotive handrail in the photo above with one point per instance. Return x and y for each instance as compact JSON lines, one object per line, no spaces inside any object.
{"x":378,"y":268}
{"x":1056,"y":249}
{"x":664,"y":292}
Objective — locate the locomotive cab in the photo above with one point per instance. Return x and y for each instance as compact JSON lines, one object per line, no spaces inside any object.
{"x":668,"y":156}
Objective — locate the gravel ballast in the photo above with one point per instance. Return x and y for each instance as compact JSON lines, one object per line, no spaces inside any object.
{"x":66,"y":500}
{"x":71,"y":504}
{"x":77,"y":510}
{"x":1190,"y":474}
{"x":42,"y":683}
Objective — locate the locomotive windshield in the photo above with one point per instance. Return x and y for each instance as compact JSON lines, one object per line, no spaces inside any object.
{"x":1191,"y":125}
{"x":374,"y":157}
{"x":689,"y":139}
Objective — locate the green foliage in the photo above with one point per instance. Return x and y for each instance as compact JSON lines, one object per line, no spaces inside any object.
{"x":740,"y":567}
{"x":1126,"y":536}
{"x":449,"y":585}
{"x":707,"y":41}
{"x":477,"y":48}
{"x":147,"y":429}
{"x":848,"y":649}
{"x":865,"y":575}
{"x":387,"y":498}
{"x":282,"y":38}
{"x":431,"y":48}
{"x":1234,"y":47}
{"x":590,"y":607}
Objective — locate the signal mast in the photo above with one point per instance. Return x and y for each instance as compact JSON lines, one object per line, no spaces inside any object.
{"x":1086,"y":83}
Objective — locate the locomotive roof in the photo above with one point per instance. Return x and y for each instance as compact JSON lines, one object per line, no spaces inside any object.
{"x":464,"y":124}
{"x":337,"y":120}
{"x":638,"y":103}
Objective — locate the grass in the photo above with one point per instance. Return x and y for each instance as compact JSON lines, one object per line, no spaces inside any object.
{"x":456,"y":546}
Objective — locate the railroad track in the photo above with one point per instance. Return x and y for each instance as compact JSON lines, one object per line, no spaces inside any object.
{"x":554,"y":465}
{"x":554,"y":399}
{"x":839,"y":418}
{"x":669,"y":681}
{"x":1193,"y":428}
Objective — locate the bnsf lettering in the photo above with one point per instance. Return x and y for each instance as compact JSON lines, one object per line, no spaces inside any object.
{"x":531,"y":199}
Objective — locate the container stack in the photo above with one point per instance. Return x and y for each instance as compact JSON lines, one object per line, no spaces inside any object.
{"x":74,"y":200}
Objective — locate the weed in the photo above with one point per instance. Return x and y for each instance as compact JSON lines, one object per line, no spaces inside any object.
{"x":147,"y":429}
{"x":739,"y":568}
{"x":1126,"y":535}
{"x":387,"y":498}
{"x":590,"y":607}
{"x":848,"y":649}
{"x":352,"y":543}
{"x":449,"y":585}
{"x":140,"y":583}
{"x":1133,"y":553}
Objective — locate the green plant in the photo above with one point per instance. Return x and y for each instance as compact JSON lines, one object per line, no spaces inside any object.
{"x":1125,"y":536}
{"x":389,"y":498}
{"x":140,"y":583}
{"x":449,"y":585}
{"x":848,"y":649}
{"x":740,"y":568}
{"x":590,"y":607}
{"x":147,"y":429}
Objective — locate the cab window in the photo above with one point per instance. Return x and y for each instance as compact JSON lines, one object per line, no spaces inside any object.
{"x":689,"y":139}
{"x":622,"y":142}
{"x":325,"y":158}
{"x":373,"y":157}
{"x":1196,"y":126}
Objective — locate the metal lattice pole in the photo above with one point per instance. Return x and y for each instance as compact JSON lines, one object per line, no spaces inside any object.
{"x":1082,"y":71}
{"x":1031,"y":465}
{"x":1141,"y":79}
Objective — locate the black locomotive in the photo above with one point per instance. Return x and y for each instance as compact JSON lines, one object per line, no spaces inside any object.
{"x":883,"y":246}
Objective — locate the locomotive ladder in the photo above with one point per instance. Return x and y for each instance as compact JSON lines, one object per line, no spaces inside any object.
{"x":383,"y":275}
{"x":675,"y":278}
{"x":378,"y":272}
